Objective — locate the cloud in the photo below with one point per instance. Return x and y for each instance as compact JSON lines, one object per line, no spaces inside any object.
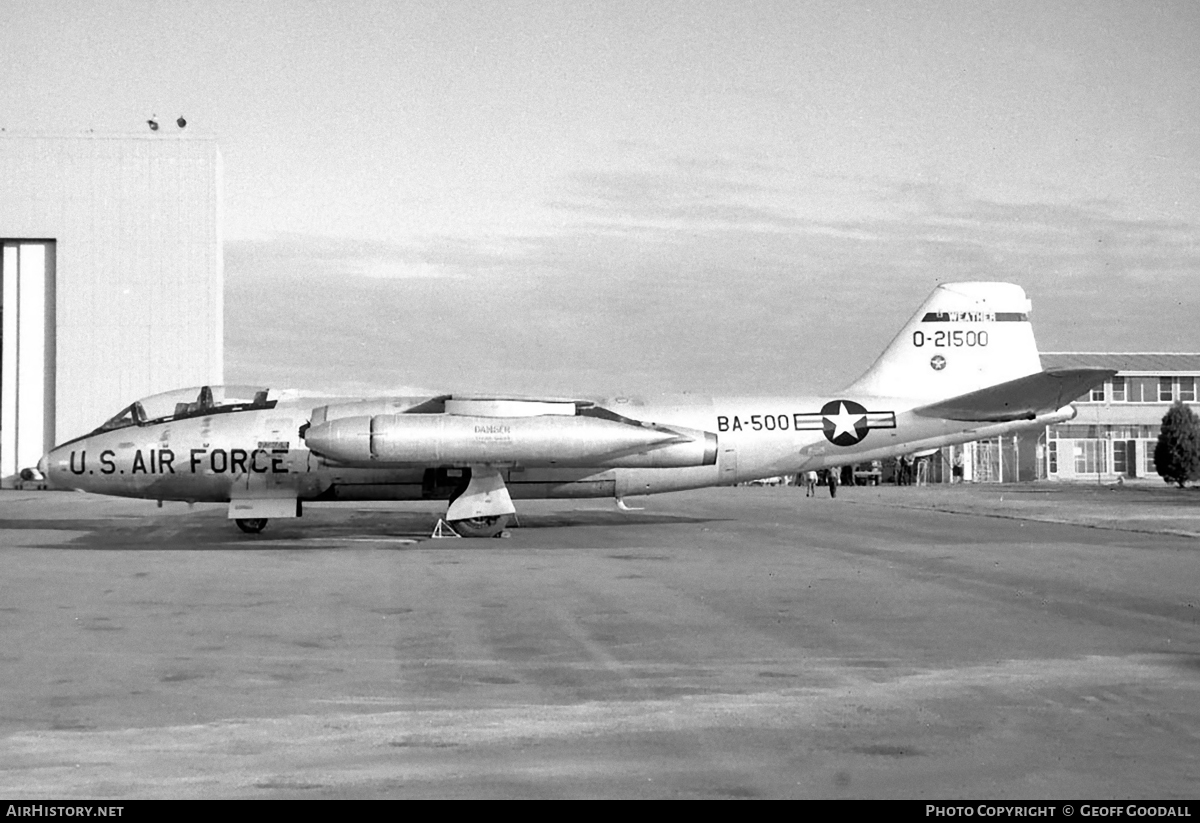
{"x":308,"y":255}
{"x":676,"y":276}
{"x":393,"y":269}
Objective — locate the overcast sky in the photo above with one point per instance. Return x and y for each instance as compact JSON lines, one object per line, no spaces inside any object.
{"x":593,"y":197}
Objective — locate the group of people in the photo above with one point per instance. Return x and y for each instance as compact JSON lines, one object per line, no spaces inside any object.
{"x":810,"y":482}
{"x":908,"y":470}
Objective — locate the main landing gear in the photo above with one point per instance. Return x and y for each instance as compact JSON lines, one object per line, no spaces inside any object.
{"x":490,"y":526}
{"x":483,"y":507}
{"x":251,"y":525}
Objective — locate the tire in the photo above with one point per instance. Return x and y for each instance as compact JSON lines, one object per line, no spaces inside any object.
{"x":480,"y":526}
{"x":251,"y":525}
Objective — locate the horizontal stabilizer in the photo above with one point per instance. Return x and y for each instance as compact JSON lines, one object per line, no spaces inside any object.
{"x":1021,"y":399}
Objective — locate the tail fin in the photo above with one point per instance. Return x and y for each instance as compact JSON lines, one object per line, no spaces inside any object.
{"x":966,"y":337}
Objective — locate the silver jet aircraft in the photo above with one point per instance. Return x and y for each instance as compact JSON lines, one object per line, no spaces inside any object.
{"x":964,"y":368}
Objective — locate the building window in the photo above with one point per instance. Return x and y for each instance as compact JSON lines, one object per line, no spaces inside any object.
{"x":1120,"y":463}
{"x":1165,"y":393}
{"x":1187,"y":389}
{"x":1090,"y":457}
{"x":1053,"y":444}
{"x":1098,"y":394}
{"x":1118,"y":385}
{"x":1142,"y":390}
{"x":1077,"y":432}
{"x":1150,"y":469}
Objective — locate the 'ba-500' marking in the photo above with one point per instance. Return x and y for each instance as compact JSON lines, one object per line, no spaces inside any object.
{"x":844,"y":422}
{"x":200,"y":461}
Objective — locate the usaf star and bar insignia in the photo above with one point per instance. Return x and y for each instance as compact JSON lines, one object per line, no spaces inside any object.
{"x":846,"y":422}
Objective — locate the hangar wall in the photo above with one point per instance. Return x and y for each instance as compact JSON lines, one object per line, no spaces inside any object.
{"x":26,"y":352}
{"x":138,"y":279}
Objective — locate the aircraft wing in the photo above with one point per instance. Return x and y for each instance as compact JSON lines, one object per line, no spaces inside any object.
{"x":1021,"y":399}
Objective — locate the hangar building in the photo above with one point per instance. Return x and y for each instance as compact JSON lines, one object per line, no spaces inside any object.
{"x":111,"y":280}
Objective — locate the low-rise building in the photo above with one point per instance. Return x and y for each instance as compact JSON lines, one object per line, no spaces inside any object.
{"x":1115,"y":432}
{"x":1112,"y":437}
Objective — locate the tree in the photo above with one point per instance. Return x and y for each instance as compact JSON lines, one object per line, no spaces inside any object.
{"x":1177,"y":455}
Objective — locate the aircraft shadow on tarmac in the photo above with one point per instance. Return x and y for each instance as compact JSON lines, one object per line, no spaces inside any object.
{"x":607,"y":519}
{"x":320,"y":530}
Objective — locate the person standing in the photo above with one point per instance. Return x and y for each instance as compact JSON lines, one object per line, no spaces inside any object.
{"x":833,"y":481}
{"x":810,"y":483}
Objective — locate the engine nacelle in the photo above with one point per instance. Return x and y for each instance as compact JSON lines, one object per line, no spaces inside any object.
{"x":547,"y":440}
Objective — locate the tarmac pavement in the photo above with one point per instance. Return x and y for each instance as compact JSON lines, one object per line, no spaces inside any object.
{"x":737,"y":643}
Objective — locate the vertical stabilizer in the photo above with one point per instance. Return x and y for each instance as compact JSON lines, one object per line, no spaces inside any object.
{"x":967,"y":336}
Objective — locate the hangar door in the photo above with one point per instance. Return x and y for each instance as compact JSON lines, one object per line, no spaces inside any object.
{"x":26,"y":354}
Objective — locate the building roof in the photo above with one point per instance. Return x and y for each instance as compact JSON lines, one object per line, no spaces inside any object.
{"x":1157,"y":362}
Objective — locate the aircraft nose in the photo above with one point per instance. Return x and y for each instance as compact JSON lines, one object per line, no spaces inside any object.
{"x":43,"y":467}
{"x":53,"y":466}
{"x":42,"y":476}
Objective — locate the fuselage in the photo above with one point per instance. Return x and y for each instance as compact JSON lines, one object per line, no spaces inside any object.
{"x":255,"y":453}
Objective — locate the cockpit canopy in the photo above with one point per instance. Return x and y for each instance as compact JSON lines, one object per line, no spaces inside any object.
{"x":194,"y":402}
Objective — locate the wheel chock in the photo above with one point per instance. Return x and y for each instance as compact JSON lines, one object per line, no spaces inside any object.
{"x":444,"y":530}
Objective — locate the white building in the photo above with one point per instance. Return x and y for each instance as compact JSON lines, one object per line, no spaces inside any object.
{"x":111,"y":280}
{"x":1112,"y":436}
{"x":1117,"y":427}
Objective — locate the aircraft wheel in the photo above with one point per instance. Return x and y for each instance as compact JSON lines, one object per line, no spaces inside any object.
{"x":480,"y":526}
{"x":251,"y":525}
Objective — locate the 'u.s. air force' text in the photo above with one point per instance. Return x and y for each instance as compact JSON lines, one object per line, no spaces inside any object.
{"x":198,"y":461}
